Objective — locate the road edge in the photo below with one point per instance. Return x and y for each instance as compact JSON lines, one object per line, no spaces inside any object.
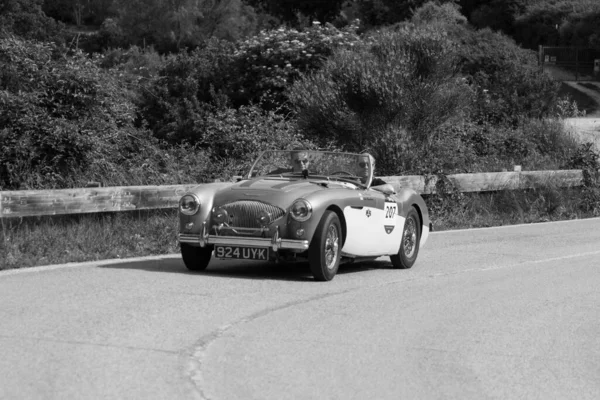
{"x":42,"y":268}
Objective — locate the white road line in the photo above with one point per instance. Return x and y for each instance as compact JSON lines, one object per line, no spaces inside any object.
{"x":512,"y":226}
{"x":497,"y":267}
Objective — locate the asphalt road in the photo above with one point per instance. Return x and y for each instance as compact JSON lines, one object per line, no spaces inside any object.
{"x":499,"y":313}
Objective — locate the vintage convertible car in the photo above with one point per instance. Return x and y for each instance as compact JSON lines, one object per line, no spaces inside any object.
{"x":326,"y":213}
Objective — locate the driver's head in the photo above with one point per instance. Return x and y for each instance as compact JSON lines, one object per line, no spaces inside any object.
{"x":365,"y":165}
{"x":299,"y":159}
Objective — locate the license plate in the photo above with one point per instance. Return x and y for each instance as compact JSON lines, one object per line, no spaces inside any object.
{"x":242,"y":253}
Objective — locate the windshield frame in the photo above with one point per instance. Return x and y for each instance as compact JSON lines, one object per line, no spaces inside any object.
{"x":317,"y":157}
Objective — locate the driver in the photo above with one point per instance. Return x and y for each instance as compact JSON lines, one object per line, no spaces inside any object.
{"x":366,"y":164}
{"x":299,"y":160}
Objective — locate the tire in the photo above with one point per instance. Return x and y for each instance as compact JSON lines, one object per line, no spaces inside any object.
{"x":411,"y":239}
{"x":196,"y":258}
{"x":325,"y":248}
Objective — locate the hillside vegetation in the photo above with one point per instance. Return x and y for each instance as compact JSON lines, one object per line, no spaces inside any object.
{"x":428,"y":90}
{"x":428,"y":95}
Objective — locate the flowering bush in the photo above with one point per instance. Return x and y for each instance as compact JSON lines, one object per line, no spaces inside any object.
{"x":267,"y":64}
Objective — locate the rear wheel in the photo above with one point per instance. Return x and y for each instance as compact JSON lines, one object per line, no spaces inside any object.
{"x":411,"y":238}
{"x":325,"y":248}
{"x":196,"y":258}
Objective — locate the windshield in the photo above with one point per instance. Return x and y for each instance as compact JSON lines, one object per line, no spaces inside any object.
{"x":294,"y":163}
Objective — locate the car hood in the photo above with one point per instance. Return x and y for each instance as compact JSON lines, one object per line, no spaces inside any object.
{"x":279,"y":192}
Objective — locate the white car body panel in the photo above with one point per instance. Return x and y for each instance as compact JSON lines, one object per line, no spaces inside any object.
{"x":366,"y":238}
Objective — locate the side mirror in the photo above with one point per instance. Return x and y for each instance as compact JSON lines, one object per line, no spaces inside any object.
{"x":237,"y":178}
{"x":386,"y":189}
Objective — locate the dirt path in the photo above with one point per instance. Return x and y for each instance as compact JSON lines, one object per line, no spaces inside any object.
{"x":586,"y":128}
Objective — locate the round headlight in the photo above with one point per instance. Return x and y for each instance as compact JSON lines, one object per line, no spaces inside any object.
{"x":189,"y":204}
{"x":264,"y":218}
{"x":220,"y":215}
{"x":301,"y":210}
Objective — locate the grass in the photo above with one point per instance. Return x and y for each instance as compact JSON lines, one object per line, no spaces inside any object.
{"x":510,"y":207}
{"x":584,"y":102}
{"x":29,"y":242}
{"x":53,"y":240}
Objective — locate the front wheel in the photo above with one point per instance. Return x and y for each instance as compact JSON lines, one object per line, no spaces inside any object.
{"x":325,"y":248}
{"x":196,"y":258}
{"x":411,"y":238}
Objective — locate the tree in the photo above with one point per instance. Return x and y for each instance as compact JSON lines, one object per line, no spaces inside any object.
{"x":432,"y":12}
{"x":290,"y":10}
{"x":78,"y":12}
{"x":173,"y":24}
{"x":26,"y":19}
{"x":559,"y":22}
{"x":387,"y":12}
{"x":498,"y":15}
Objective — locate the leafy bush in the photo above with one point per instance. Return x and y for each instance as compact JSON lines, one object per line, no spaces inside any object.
{"x":188,"y":87}
{"x":586,"y":158}
{"x":269,"y":62}
{"x":507,"y":81}
{"x":192,"y":85}
{"x":26,"y":19}
{"x":108,"y":36}
{"x":241,"y":133}
{"x":64,"y":120}
{"x":387,"y":96}
{"x":436,"y":13}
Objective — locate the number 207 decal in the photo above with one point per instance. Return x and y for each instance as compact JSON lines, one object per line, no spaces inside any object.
{"x":390,"y":210}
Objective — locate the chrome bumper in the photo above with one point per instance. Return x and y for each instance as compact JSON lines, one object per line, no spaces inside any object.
{"x":275,"y":242}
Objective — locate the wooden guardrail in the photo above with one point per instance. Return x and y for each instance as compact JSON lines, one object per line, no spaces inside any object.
{"x":491,"y":181}
{"x":30,"y":203}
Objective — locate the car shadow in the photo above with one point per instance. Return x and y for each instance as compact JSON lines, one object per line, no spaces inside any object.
{"x":289,"y":271}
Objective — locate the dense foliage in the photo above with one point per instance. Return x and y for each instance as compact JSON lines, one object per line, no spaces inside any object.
{"x":193,"y":85}
{"x":190,"y":90}
{"x":26,"y":19}
{"x":388,"y":96}
{"x":65,"y":121}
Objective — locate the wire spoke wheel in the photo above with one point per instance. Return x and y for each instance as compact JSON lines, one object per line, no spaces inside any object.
{"x":324,"y":250}
{"x":409,"y":245}
{"x":409,"y":238}
{"x":331,"y":247}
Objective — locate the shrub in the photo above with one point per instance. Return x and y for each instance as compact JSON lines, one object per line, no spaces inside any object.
{"x":26,"y":19}
{"x":436,"y":13}
{"x":586,"y":158}
{"x":506,"y":79}
{"x":269,"y":62}
{"x":387,"y":96}
{"x":188,"y":87}
{"x":63,"y":118}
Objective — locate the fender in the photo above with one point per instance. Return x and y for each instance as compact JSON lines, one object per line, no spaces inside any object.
{"x":206,"y":194}
{"x":407,"y":198}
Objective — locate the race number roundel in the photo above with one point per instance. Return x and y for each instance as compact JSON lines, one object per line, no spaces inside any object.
{"x":390,"y":211}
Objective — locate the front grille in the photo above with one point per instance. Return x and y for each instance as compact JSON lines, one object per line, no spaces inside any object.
{"x":245,"y":213}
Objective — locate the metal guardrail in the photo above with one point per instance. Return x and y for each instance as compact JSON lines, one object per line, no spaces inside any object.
{"x":31,"y":203}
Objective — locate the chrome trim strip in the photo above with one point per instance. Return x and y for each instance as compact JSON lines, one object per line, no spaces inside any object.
{"x":275,"y":242}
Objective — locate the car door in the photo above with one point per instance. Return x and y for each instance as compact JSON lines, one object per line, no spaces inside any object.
{"x":391,"y":224}
{"x":371,"y":227}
